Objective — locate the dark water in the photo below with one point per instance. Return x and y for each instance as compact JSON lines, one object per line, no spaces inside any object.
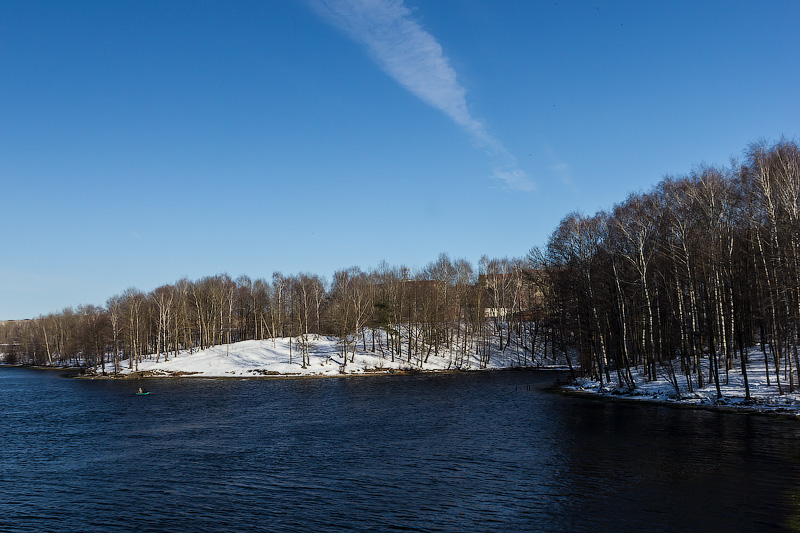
{"x":476,"y":452}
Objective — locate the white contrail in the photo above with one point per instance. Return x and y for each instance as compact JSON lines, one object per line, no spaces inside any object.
{"x":414,"y":58}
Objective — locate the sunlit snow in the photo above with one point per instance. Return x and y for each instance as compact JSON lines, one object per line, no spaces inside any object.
{"x":277,"y":357}
{"x":764,"y":397}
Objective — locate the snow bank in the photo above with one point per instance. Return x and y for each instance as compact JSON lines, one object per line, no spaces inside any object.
{"x":764,"y":397}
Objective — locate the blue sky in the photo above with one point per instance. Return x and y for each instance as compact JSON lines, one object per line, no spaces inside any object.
{"x":141,"y":142}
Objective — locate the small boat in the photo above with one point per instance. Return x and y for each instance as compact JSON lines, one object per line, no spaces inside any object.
{"x":142,"y":393}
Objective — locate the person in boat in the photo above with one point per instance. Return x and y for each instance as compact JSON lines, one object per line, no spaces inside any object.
{"x":141,"y":391}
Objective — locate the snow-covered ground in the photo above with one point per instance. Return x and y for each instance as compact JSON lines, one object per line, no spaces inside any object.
{"x":264,"y":358}
{"x":765,"y":398}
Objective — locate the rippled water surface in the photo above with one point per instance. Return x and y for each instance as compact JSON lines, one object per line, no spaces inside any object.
{"x":470,"y":452}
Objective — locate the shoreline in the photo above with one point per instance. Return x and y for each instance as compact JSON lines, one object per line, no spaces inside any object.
{"x":754,"y":408}
{"x":75,"y":373}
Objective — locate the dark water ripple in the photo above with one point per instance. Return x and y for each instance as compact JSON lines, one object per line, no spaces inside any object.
{"x":477,"y":452}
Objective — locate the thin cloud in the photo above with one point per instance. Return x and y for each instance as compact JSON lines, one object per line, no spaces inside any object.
{"x":414,"y":58}
{"x":514,"y":179}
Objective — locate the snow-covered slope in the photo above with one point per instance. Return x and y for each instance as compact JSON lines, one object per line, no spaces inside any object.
{"x":268,"y":357}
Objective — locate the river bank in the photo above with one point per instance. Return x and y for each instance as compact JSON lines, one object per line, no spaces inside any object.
{"x":766,"y":397}
{"x":292,"y":375}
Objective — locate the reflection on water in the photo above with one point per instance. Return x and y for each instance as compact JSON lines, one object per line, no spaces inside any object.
{"x":481,"y":451}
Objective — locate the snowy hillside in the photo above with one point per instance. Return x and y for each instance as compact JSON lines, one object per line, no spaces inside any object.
{"x":263,"y":358}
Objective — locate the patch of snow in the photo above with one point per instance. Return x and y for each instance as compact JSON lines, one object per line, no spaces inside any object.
{"x":763,"y":397}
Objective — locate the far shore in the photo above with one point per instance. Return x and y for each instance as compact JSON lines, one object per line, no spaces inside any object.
{"x":280,"y":358}
{"x":132,"y":375}
{"x":369,"y":373}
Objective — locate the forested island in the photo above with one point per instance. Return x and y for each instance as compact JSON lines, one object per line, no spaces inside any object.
{"x":692,"y":283}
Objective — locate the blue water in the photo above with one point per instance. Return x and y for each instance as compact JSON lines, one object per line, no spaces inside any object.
{"x":470,"y":452}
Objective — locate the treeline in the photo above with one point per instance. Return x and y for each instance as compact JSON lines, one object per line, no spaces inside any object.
{"x":679,"y":282}
{"x":682,"y":279}
{"x":446,"y":309}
